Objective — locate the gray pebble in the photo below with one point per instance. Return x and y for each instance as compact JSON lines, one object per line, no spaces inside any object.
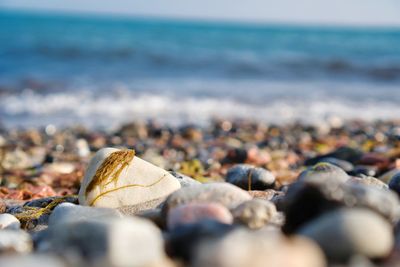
{"x":250,"y":178}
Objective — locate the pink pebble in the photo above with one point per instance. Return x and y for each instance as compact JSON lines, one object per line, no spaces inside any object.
{"x":195,"y":212}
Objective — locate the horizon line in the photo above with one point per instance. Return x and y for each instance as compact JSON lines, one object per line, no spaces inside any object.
{"x":196,"y":19}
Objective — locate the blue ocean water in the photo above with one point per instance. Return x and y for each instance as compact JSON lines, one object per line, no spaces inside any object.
{"x":102,"y":71}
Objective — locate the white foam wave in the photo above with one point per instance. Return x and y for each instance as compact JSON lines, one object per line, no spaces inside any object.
{"x":109,"y":111}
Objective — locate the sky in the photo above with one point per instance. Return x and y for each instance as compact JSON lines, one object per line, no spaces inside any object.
{"x":331,"y":12}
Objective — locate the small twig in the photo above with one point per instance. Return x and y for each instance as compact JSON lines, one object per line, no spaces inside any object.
{"x":250,"y":173}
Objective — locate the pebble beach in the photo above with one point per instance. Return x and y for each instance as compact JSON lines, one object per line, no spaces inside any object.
{"x":152,"y":141}
{"x":233,"y":193}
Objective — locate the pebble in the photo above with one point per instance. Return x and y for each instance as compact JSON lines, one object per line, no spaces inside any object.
{"x":8,"y":221}
{"x":16,"y":241}
{"x":140,"y":181}
{"x":258,"y":249}
{"x":250,"y":178}
{"x":255,"y":213}
{"x":321,"y":172}
{"x":304,"y":202}
{"x":68,"y":212}
{"x":195,"y":212}
{"x":183,"y":241}
{"x":347,"y":232}
{"x":226,"y":194}
{"x":111,"y":242}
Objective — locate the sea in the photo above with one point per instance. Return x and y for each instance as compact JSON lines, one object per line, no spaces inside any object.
{"x":101,"y":72}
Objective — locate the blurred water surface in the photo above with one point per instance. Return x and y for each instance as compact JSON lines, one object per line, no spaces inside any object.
{"x":101,"y":71}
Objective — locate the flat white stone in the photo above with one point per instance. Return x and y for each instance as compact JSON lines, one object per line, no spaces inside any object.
{"x":139,"y":182}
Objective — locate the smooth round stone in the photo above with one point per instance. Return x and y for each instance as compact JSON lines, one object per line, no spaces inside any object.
{"x":32,"y":260}
{"x":348,"y":232}
{"x":226,"y":194}
{"x":322,"y":172}
{"x":183,"y":241}
{"x":369,"y":181}
{"x":255,"y":213}
{"x":304,"y":202}
{"x":394,"y":183}
{"x":113,"y":242}
{"x":195,"y":212}
{"x":344,"y":165}
{"x":68,"y":212}
{"x":140,"y":181}
{"x":8,"y":221}
{"x":250,"y":178}
{"x":15,"y":241}
{"x":184,"y":180}
{"x":258,"y":249}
